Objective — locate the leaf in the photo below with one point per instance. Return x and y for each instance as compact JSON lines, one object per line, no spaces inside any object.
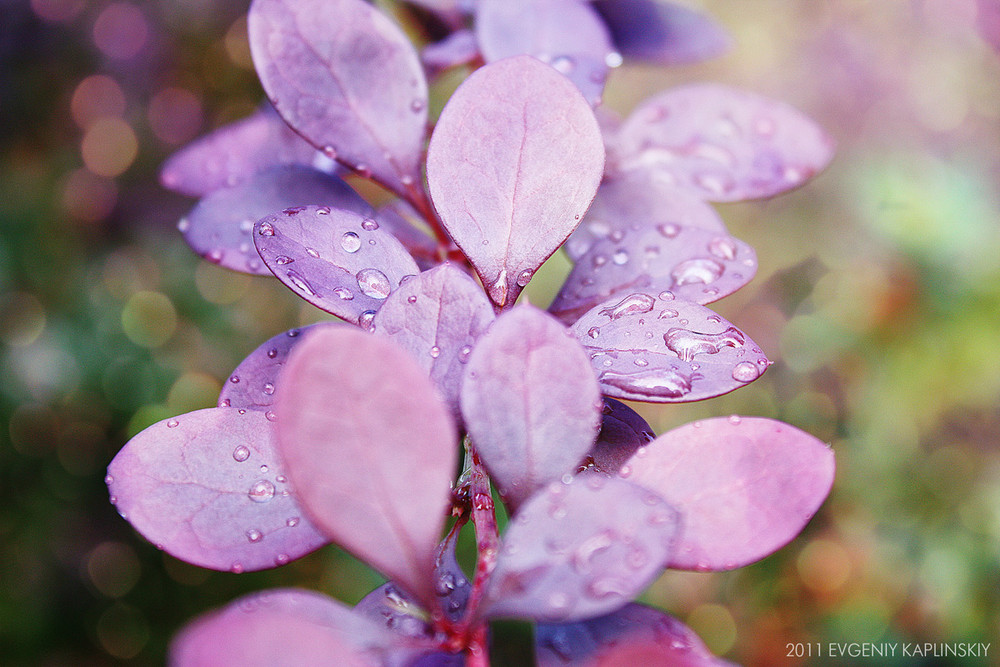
{"x":530,"y":402}
{"x":357,"y":418}
{"x":282,"y":626}
{"x":233,"y":153}
{"x":207,"y":487}
{"x":437,"y":316}
{"x":220,"y":227}
{"x":567,"y":34}
{"x":623,"y":431}
{"x":652,"y":347}
{"x":662,"y":32}
{"x":639,"y":200}
{"x":633,"y":635}
{"x":721,"y":143}
{"x":694,"y":264}
{"x":348,"y":80}
{"x":335,"y":259}
{"x":253,"y":383}
{"x":399,"y":219}
{"x":745,"y":486}
{"x":580,"y":549}
{"x":458,"y":48}
{"x":512,"y":166}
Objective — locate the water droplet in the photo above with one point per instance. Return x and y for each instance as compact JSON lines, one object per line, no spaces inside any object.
{"x":272,"y":353}
{"x":524,"y":277}
{"x":599,"y":261}
{"x":330,"y":152}
{"x":735,"y":420}
{"x":293,"y":210}
{"x":236,"y":568}
{"x":366,"y":321}
{"x":343,"y":293}
{"x":463,"y":354}
{"x":312,"y":252}
{"x":583,"y":558}
{"x":697,"y":270}
{"x":641,"y":362}
{"x":281,"y":559}
{"x":270,"y":416}
{"x":281,"y":260}
{"x":713,"y":183}
{"x":172,"y":423}
{"x":254,"y":535}
{"x":793,"y":174}
{"x":241,"y":453}
{"x":669,"y":230}
{"x":369,"y":225}
{"x":350,"y":242}
{"x":746,"y":371}
{"x":613,"y":59}
{"x":620,"y":257}
{"x":723,"y":247}
{"x":291,"y":522}
{"x":363,"y":170}
{"x":261,"y":492}
{"x":686,"y":344}
{"x":667,"y":313}
{"x":234,"y":378}
{"x":557,"y":605}
{"x":563,"y":64}
{"x":665,"y":296}
{"x":268,"y":388}
{"x":108,"y":479}
{"x":183,"y":225}
{"x":300,"y":283}
{"x":632,"y":304}
{"x":594,"y":332}
{"x":608,"y":587}
{"x":418,"y":104}
{"x":374,"y":283}
{"x":662,"y":383}
{"x":445,"y":584}
{"x":625,"y":471}
{"x":323,"y":210}
{"x":214,"y":256}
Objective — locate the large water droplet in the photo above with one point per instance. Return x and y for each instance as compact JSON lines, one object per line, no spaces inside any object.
{"x":350,"y":242}
{"x":746,"y":371}
{"x":281,"y":260}
{"x":369,"y":225}
{"x":241,"y":453}
{"x":344,"y":293}
{"x":265,"y":229}
{"x":374,"y":283}
{"x":686,"y":344}
{"x":620,"y":257}
{"x":524,"y":277}
{"x":662,"y":383}
{"x":723,"y":247}
{"x":367,"y":321}
{"x":697,"y":270}
{"x":300,"y":282}
{"x":261,"y":492}
{"x":632,"y":304}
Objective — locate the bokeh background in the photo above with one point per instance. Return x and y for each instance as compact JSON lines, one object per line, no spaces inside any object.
{"x":878,"y":295}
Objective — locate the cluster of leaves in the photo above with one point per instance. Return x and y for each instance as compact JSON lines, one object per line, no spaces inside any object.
{"x":351,"y":431}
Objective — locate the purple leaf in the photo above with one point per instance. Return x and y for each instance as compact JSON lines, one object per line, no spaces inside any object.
{"x":399,"y":219}
{"x":220,"y":227}
{"x":721,"y":143}
{"x":458,"y":48}
{"x":638,"y":200}
{"x":233,"y":153}
{"x":280,"y":627}
{"x":633,"y":635}
{"x":653,"y":347}
{"x":662,"y":32}
{"x":530,"y":402}
{"x":335,"y":259}
{"x":512,"y":166}
{"x":357,"y":418}
{"x":623,"y":431}
{"x":745,"y":486}
{"x":347,"y":78}
{"x":580,"y":549}
{"x":253,"y":383}
{"x":208,"y":488}
{"x":437,"y":316}
{"x":567,"y":34}
{"x":695,"y":264}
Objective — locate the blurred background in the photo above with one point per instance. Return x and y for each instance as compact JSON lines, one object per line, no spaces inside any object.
{"x":878,"y":295}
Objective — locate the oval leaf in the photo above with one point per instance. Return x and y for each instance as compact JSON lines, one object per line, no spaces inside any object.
{"x":745,"y":486}
{"x":437,"y":316}
{"x":633,"y":635}
{"x":513,"y":164}
{"x":580,"y":549}
{"x":346,"y":78}
{"x":695,"y":264}
{"x":662,"y":32}
{"x":233,"y":153}
{"x":207,"y":487}
{"x":639,"y":200}
{"x":722,"y":143}
{"x":357,"y":417}
{"x":280,"y":627}
{"x":653,"y":347}
{"x":335,"y":259}
{"x":530,"y":402}
{"x":567,"y":34}
{"x":623,"y":431}
{"x":220,"y":227}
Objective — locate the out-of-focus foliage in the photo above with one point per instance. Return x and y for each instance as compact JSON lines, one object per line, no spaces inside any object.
{"x":878,"y":293}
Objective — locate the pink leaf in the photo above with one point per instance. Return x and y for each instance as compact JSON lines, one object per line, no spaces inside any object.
{"x":437,"y":316}
{"x":652,"y":347}
{"x":208,"y":488}
{"x":530,"y":402}
{"x":358,"y":419}
{"x":662,"y":32}
{"x":346,"y":78}
{"x":580,"y":549}
{"x":745,"y":486}
{"x":335,"y":259}
{"x":512,"y":166}
{"x":567,"y":34}
{"x":721,"y":143}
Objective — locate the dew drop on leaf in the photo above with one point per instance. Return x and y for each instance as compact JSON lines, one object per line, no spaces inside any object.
{"x":172,"y":423}
{"x":261,"y":492}
{"x":369,"y":225}
{"x":697,"y":270}
{"x":254,"y":535}
{"x":632,"y":304}
{"x":746,"y":371}
{"x":241,"y":453}
{"x":374,"y":283}
{"x":723,"y":247}
{"x":686,"y":344}
{"x":350,"y":242}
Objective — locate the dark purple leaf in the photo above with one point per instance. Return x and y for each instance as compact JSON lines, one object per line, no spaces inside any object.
{"x":653,"y":347}
{"x":335,"y":259}
{"x":694,"y":264}
{"x":662,"y":32}
{"x":399,"y":219}
{"x":281,"y":627}
{"x":208,"y":487}
{"x":233,"y":153}
{"x":458,"y":48}
{"x":634,"y":635}
{"x":437,"y":316}
{"x":745,"y":486}
{"x":567,"y":34}
{"x":220,"y":227}
{"x":357,"y":418}
{"x":513,"y":164}
{"x":347,"y":78}
{"x":639,"y":200}
{"x":530,"y":401}
{"x":721,"y":143}
{"x":582,"y":547}
{"x":253,"y":383}
{"x":623,"y":431}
